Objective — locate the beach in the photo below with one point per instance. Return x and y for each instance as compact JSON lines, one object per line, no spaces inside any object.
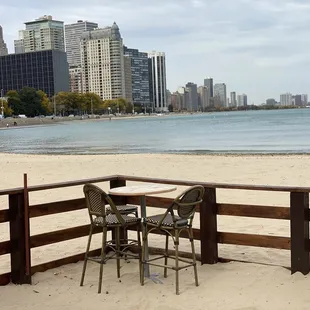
{"x":233,"y":285}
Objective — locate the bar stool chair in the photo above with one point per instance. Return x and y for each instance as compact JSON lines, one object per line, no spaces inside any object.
{"x":96,"y":201}
{"x":172,"y":225}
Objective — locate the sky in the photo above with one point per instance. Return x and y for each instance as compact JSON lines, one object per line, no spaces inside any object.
{"x":257,"y":47}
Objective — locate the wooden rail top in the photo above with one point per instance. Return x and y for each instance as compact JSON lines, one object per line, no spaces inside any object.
{"x":157,"y":180}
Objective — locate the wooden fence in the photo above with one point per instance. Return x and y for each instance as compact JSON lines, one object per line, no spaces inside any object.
{"x":20,"y":242}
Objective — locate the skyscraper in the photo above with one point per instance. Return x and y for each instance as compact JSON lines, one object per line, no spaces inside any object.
{"x":208,"y":82}
{"x":193,"y":96}
{"x":102,"y":59}
{"x":203,"y":97}
{"x":157,"y":80}
{"x":73,"y":34}
{"x":41,"y":34}
{"x":286,"y":99}
{"x":3,"y":47}
{"x":233,"y":99}
{"x":242,"y":100}
{"x":128,"y":78}
{"x":43,"y":70}
{"x":140,"y":76}
{"x":220,"y":97}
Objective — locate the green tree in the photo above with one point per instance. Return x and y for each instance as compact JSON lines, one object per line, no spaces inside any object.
{"x":15,"y":103}
{"x":7,"y":111}
{"x":45,"y":103}
{"x":31,"y":102}
{"x":91,"y":103}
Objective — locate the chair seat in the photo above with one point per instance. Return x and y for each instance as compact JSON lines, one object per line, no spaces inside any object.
{"x":168,"y":221}
{"x":123,"y":209}
{"x":111,"y":219}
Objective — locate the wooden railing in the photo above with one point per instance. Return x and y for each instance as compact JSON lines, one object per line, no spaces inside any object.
{"x":20,"y":241}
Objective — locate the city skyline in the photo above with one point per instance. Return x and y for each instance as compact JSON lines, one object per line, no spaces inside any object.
{"x":254,"y":55}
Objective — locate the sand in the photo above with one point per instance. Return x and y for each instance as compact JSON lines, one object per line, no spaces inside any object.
{"x":223,"y":286}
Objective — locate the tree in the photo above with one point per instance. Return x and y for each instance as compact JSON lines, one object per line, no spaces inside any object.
{"x":45,"y":103}
{"x":92,"y":103}
{"x":15,"y":103}
{"x":31,"y":102}
{"x":116,"y":105}
{"x":7,"y":111}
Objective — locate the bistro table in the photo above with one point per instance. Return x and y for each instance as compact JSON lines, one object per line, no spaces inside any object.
{"x":142,"y":191}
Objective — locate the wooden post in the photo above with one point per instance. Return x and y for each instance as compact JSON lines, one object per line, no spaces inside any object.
{"x":299,"y":212}
{"x":119,"y":200}
{"x":19,"y":251}
{"x":208,"y":227}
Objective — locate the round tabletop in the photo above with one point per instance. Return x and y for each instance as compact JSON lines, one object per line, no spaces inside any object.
{"x":139,"y":190}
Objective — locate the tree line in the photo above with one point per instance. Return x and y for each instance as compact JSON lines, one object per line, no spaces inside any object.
{"x":31,"y":102}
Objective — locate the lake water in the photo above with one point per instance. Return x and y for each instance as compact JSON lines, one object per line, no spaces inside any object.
{"x":277,"y":131}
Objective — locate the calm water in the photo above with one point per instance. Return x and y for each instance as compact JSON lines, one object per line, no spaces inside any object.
{"x":285,"y":131}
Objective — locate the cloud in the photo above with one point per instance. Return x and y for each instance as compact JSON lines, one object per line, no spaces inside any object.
{"x":255,"y":46}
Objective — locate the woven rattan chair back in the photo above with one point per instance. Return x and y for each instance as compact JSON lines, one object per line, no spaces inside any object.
{"x":188,"y":201}
{"x":96,"y":201}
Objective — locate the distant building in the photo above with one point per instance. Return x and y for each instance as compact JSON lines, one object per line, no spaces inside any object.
{"x":220,"y":97}
{"x":157,"y":81}
{"x":41,"y":34}
{"x":297,"y":100}
{"x":242,"y":100}
{"x":304,"y":99}
{"x":271,"y":101}
{"x":193,"y":96}
{"x":102,"y":59}
{"x":75,"y":74}
{"x":233,"y":99}
{"x":208,"y":82}
{"x":3,"y":47}
{"x":44,"y":70}
{"x":73,"y":34}
{"x":128,"y":79}
{"x":139,"y":76}
{"x":203,"y":97}
{"x":286,"y":99}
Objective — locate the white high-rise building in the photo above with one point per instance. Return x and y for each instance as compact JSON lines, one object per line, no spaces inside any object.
{"x":3,"y":47}
{"x":220,"y":97}
{"x":157,"y":80}
{"x":286,"y":99}
{"x":41,"y":34}
{"x":73,"y":34}
{"x":242,"y":100}
{"x":102,"y":59}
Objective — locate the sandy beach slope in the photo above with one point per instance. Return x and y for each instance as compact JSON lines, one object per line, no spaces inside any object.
{"x":224,"y":286}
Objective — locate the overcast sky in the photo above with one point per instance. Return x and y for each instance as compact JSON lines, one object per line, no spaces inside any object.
{"x":257,"y":47}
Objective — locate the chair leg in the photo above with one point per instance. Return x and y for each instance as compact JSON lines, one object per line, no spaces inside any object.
{"x":118,"y":247}
{"x":191,"y":239}
{"x":86,"y":254}
{"x":102,"y":257}
{"x":166,"y":256}
{"x":144,"y":244}
{"x":176,"y":243}
{"x":139,"y":249}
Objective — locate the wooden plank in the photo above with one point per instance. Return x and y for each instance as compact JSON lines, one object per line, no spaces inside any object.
{"x":216,"y":185}
{"x":11,"y":191}
{"x":265,"y":241}
{"x":5,"y":278}
{"x":4,"y":216}
{"x":268,"y":212}
{"x":57,"y":207}
{"x":155,"y":202}
{"x":61,"y":235}
{"x":70,"y":183}
{"x":63,"y":261}
{"x":5,"y":247}
{"x":17,"y":240}
{"x":300,"y":232}
{"x":208,"y":227}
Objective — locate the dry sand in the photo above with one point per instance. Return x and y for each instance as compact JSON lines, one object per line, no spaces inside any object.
{"x":223,"y":286}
